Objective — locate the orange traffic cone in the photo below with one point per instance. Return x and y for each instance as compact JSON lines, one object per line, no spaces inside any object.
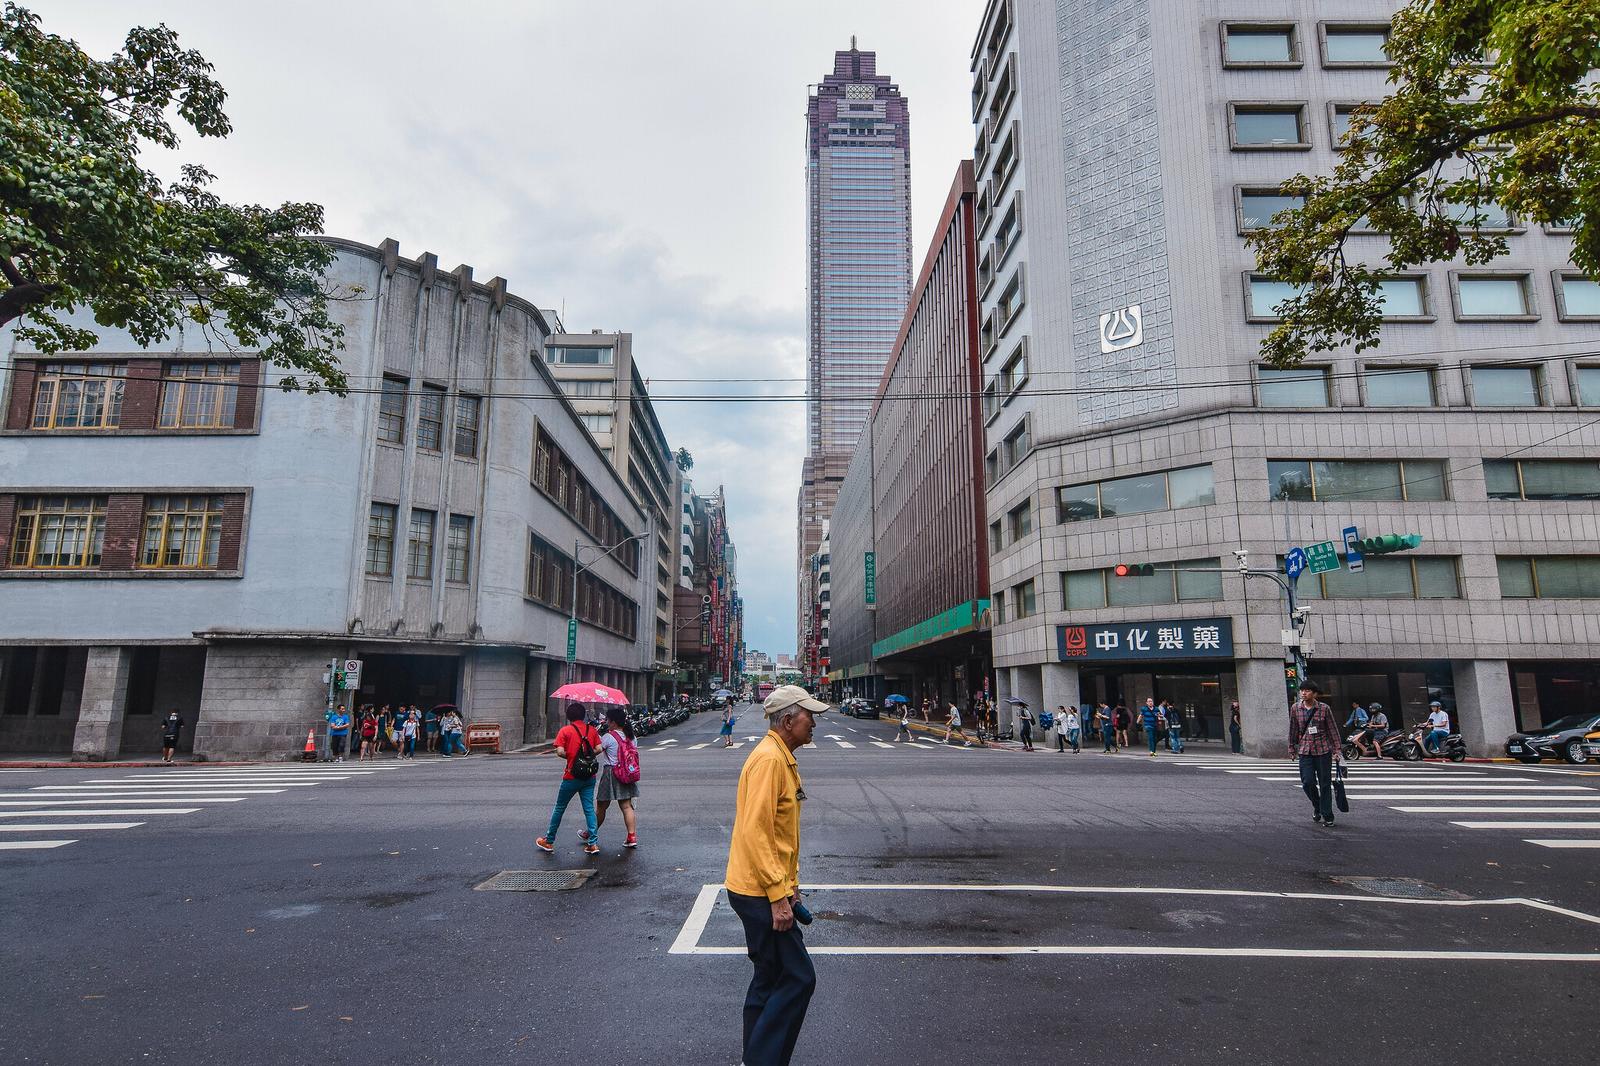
{"x":311,"y":746}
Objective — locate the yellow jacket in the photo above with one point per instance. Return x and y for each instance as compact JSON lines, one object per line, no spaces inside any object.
{"x":764,"y":854}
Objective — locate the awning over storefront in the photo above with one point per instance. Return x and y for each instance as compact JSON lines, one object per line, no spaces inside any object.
{"x":962,"y":618}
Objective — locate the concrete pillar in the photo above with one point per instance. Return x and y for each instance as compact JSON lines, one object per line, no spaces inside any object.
{"x":1026,"y":684}
{"x":105,"y":698}
{"x":1484,"y":714}
{"x":1060,"y":686}
{"x":1002,"y":689}
{"x":1263,"y":707}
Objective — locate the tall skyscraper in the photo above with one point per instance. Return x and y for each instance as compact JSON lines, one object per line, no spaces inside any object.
{"x":858,"y":268}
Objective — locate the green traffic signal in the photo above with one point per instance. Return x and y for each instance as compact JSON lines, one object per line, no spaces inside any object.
{"x":1389,"y":542}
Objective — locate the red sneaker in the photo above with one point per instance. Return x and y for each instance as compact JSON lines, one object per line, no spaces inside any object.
{"x":632,"y":841}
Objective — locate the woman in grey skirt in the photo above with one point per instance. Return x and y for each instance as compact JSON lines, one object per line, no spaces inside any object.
{"x":617,"y":748}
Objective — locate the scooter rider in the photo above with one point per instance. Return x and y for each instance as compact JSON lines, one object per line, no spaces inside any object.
{"x":1377,"y":729}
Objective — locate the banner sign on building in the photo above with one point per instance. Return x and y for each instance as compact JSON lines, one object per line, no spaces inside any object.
{"x":1184,"y":638}
{"x":872,"y":579}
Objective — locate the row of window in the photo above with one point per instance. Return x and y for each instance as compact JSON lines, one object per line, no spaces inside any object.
{"x":572,"y":355}
{"x":1488,"y":297}
{"x":382,"y":528}
{"x":1255,"y":207}
{"x":1277,"y":44}
{"x":68,"y":532}
{"x":1417,"y":386}
{"x":432,"y":405}
{"x":550,"y":583}
{"x":557,"y":477}
{"x":84,"y":395}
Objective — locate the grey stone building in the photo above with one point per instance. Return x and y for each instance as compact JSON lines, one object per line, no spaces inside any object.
{"x":1129,"y":418}
{"x":174,"y":532}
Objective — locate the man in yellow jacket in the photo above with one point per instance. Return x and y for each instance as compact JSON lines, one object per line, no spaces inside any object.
{"x":763,"y":880}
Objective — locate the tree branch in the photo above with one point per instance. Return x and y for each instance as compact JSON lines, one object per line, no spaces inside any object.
{"x":15,"y":301}
{"x":9,"y":269}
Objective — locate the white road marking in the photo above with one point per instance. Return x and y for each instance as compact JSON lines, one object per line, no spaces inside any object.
{"x":1497,"y":810}
{"x":32,"y":845}
{"x":1528,"y":825}
{"x":844,"y":744}
{"x":101,"y":782}
{"x":1479,"y":796}
{"x":82,"y":813}
{"x":697,"y":747}
{"x":131,"y":790}
{"x":1564,"y":843}
{"x":66,"y":827}
{"x":882,"y":744}
{"x":1394,"y":779}
{"x":65,"y":800}
{"x":740,"y":744}
{"x":34,"y":771}
{"x":1469,"y":785}
{"x":664,"y":743}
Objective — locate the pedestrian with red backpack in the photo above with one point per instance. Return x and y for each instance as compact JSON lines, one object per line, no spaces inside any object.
{"x":579,"y":744}
{"x":619,"y":773}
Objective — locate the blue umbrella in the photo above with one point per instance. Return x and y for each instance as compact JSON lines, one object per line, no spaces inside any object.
{"x":896,"y":698}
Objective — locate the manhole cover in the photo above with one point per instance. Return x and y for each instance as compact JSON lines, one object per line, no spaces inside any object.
{"x":1402,"y":887}
{"x":534,"y":881}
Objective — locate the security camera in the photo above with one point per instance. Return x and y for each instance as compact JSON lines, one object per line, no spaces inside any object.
{"x":1240,"y":553}
{"x":1301,"y":613}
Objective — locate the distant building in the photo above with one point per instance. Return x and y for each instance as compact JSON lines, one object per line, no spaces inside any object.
{"x":176,"y":532}
{"x":710,"y":611}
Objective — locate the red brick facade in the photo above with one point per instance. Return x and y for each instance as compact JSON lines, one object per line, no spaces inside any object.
{"x":141,"y":397}
{"x":124,"y":529}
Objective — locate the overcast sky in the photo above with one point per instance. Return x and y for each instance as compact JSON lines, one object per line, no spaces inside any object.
{"x":639,"y":163}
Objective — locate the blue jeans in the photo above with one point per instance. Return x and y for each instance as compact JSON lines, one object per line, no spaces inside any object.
{"x":1434,"y":739}
{"x":780,"y":990}
{"x":584,"y":790}
{"x":453,"y":742}
{"x":1072,"y":738}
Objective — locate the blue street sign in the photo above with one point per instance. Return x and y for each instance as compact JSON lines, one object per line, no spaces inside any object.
{"x":1352,"y":549}
{"x":1294,"y":563}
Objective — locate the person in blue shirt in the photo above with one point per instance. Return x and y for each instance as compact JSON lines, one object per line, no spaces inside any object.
{"x":1358,"y":716}
{"x":338,"y":732}
{"x":1151,"y":717}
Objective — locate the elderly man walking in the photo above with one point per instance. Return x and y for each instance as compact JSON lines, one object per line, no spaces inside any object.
{"x":763,"y":879}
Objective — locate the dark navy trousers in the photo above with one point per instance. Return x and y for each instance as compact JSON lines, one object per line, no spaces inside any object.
{"x":775,"y":1006}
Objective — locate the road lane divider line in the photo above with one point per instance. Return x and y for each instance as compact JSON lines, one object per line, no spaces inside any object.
{"x":93,"y":812}
{"x":1564,"y":843}
{"x":1479,"y":796}
{"x":1528,"y":825}
{"x":68,"y":801}
{"x":67,"y":827}
{"x":32,"y":845}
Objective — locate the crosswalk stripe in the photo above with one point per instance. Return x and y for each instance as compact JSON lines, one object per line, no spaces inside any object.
{"x":95,"y":812}
{"x":697,"y":747}
{"x":1496,"y":810}
{"x":1470,"y":786}
{"x":844,"y":743}
{"x":1528,"y":825}
{"x":882,"y":744}
{"x":132,"y":791}
{"x":67,"y":800}
{"x":1472,"y":796}
{"x":66,"y":827}
{"x":101,"y":782}
{"x":1564,"y":843}
{"x":32,"y":845}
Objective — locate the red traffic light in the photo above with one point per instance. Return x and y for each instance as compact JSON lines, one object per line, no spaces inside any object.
{"x":1134,"y":570}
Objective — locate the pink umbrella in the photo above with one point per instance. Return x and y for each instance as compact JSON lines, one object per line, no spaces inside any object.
{"x":590,"y":692}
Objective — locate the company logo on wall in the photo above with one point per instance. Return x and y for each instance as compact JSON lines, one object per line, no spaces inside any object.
{"x":1120,"y":329}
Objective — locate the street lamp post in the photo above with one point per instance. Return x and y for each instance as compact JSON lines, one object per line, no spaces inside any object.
{"x":578,"y":569}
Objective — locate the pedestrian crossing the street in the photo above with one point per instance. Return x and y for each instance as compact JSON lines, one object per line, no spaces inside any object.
{"x":1523,"y":801}
{"x":46,"y":817}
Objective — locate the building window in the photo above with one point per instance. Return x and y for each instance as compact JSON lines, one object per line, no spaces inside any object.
{"x":1577,"y":298}
{"x":78,"y":396}
{"x":596,"y":423}
{"x":1388,"y":577}
{"x":468,"y":409}
{"x":430,"y":418}
{"x":991,"y":466}
{"x":574,"y":356}
{"x":1486,"y":217}
{"x":1492,"y":297}
{"x":1355,"y":44}
{"x":1542,"y":479}
{"x":419,"y":545}
{"x":1012,"y":297}
{"x":1403,"y":299}
{"x":1305,"y":386}
{"x":1399,"y":386}
{"x":997,"y":608}
{"x":1504,"y":386}
{"x":1339,"y":122}
{"x":997,"y":538}
{"x":1093,"y":589}
{"x":458,"y":550}
{"x":1010,"y":228}
{"x":991,"y":403}
{"x":1331,"y":480}
{"x":58,"y":532}
{"x":1255,"y":44}
{"x":1588,"y":385}
{"x":1190,"y":486}
{"x":1268,"y":127}
{"x":1555,"y":577}
{"x":199,"y":395}
{"x":1015,"y":371}
{"x":1263,"y":297}
{"x":1019,"y":520}
{"x":380,"y":539}
{"x":1022,"y":598}
{"x":1017,"y":444}
{"x":392,"y":411}
{"x":1256,"y":207}
{"x":549,"y":575}
{"x":182,"y":532}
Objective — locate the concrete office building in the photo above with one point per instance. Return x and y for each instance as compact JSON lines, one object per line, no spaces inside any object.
{"x":176,"y":532}
{"x":858,"y":270}
{"x":709,"y":609}
{"x":1121,"y":324}
{"x":913,"y":496}
{"x":597,"y":372}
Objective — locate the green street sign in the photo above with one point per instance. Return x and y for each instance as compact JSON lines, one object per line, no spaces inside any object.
{"x":572,"y":640}
{"x":872,"y":578}
{"x":1321,"y":558}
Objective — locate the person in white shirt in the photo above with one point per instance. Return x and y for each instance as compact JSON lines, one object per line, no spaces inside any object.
{"x":953,"y":725}
{"x":1438,"y":727}
{"x":1074,"y":730}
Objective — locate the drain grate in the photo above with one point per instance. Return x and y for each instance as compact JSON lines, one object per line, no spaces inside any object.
{"x":534,"y":881}
{"x":1401,"y":887}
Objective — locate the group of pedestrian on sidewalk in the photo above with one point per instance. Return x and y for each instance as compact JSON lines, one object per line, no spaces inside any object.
{"x":393,"y":728}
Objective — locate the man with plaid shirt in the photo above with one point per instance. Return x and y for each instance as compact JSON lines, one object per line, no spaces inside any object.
{"x":1314,"y":740}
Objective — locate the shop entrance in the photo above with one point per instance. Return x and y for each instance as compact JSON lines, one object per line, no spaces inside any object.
{"x":422,"y":680}
{"x":1201,"y":696}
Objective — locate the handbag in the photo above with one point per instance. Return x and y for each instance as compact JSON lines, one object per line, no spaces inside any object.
{"x":1340,"y":800}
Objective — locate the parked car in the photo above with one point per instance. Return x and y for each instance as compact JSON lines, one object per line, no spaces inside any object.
{"x":1575,"y":738}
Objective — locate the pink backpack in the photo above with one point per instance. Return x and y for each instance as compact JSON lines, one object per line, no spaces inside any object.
{"x":626,"y":770}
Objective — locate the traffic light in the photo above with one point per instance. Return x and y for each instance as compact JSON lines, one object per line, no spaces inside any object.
{"x":1389,"y":542}
{"x":1135,"y":570}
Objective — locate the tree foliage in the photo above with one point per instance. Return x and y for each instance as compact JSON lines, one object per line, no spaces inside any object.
{"x":684,"y":460}
{"x":84,"y":225}
{"x":1494,"y":103}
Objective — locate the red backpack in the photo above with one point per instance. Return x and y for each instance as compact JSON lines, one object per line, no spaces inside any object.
{"x":626,"y":770}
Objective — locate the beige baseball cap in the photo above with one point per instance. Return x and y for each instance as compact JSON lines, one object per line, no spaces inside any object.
{"x":785,"y":696}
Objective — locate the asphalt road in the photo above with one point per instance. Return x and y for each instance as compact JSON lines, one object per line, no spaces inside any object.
{"x":1017,"y":908}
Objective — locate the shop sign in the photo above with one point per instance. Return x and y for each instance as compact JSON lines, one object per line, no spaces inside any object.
{"x":1185,"y":638}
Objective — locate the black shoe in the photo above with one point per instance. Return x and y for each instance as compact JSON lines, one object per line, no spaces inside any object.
{"x":1327,"y":823}
{"x":1317,"y":817}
